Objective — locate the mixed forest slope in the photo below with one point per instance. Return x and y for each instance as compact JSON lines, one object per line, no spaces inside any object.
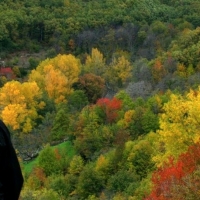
{"x":119,"y":80}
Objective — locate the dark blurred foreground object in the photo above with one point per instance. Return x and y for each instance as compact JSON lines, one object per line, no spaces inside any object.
{"x":11,"y":179}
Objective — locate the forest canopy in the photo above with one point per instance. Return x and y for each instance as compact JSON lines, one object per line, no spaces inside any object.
{"x":103,"y":97}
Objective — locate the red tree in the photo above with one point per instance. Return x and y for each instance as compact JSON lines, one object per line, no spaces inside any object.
{"x":173,"y":174}
{"x":110,"y":108}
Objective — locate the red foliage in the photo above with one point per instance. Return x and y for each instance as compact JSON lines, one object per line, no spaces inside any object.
{"x":173,"y":173}
{"x":110,"y":107}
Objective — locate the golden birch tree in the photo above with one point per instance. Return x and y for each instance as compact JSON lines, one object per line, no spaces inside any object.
{"x":20,"y":103}
{"x":56,"y":76}
{"x":179,"y":126}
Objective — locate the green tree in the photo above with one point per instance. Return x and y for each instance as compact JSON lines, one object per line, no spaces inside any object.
{"x":49,"y":162}
{"x":89,"y":182}
{"x":60,"y":123}
{"x":77,"y":100}
{"x":122,"y":179}
{"x":76,"y":165}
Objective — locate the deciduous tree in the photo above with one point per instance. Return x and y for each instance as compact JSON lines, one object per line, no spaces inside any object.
{"x":92,"y":85}
{"x":180,"y":123}
{"x":56,"y":76}
{"x":20,"y":104}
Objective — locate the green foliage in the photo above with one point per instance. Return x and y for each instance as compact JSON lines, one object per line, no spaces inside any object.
{"x":122,"y":180}
{"x":65,"y":149}
{"x":16,"y":71}
{"x":149,"y":122}
{"x":49,"y":161}
{"x":77,"y":100}
{"x":127,"y":102}
{"x":89,"y":141}
{"x":48,"y":195}
{"x":71,"y":183}
{"x":33,"y":63}
{"x":89,"y":182}
{"x":76,"y":165}
{"x":58,"y":184}
{"x":28,"y":167}
{"x":185,"y":48}
{"x":138,"y":155}
{"x":60,"y":124}
{"x":3,"y":81}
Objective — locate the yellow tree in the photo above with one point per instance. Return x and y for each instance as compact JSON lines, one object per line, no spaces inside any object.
{"x":95,"y":63}
{"x":118,"y":72}
{"x":181,"y":70}
{"x":19,"y":104}
{"x":56,"y":84}
{"x":56,"y":76}
{"x":179,"y":126}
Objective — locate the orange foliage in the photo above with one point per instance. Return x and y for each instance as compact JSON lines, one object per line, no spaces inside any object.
{"x":57,"y":154}
{"x":39,"y":173}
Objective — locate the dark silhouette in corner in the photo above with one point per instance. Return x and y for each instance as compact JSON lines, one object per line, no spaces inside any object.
{"x":11,"y":179}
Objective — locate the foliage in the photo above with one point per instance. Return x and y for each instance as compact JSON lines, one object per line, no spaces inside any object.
{"x":95,"y":63}
{"x":118,"y":72}
{"x":56,"y":76}
{"x":77,"y":100}
{"x":110,"y":108}
{"x":76,"y":165}
{"x":60,"y":123}
{"x":49,"y":161}
{"x":127,"y":102}
{"x":92,"y":85}
{"x":66,"y":151}
{"x":89,"y":182}
{"x":20,"y":104}
{"x":179,"y":123}
{"x":167,"y":179}
{"x":113,"y":104}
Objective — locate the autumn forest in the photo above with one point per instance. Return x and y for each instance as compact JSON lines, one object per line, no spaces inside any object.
{"x":104,"y":99}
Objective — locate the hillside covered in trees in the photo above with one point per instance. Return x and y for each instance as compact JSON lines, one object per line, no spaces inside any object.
{"x":116,"y":85}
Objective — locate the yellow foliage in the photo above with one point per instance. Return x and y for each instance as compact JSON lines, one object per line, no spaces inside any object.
{"x":118,"y":72}
{"x":102,"y":163}
{"x":56,"y":76}
{"x":13,"y":115}
{"x":20,"y":103}
{"x":55,"y":85}
{"x":123,"y":69}
{"x":95,"y":63}
{"x":179,"y":126}
{"x":76,"y":165}
{"x":181,"y":70}
{"x":10,"y":93}
{"x":128,"y":117}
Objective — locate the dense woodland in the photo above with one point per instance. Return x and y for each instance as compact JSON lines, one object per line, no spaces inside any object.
{"x":116,"y":84}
